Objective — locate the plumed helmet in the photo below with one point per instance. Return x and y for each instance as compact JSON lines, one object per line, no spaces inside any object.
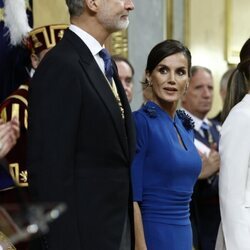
{"x":45,"y":37}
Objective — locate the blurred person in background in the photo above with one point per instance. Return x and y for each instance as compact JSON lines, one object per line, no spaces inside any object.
{"x":205,"y":210}
{"x":39,"y":42}
{"x":126,"y":73}
{"x":16,"y":21}
{"x":223,"y":91}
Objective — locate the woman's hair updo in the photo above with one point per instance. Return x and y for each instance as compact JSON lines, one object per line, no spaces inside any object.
{"x":239,"y":82}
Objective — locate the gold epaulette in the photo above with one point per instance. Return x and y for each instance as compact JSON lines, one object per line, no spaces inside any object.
{"x":1,"y":14}
{"x":15,"y":107}
{"x":19,"y":97}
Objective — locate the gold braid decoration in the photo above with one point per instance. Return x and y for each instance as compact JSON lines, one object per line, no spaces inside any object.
{"x":1,"y":14}
{"x":20,"y":177}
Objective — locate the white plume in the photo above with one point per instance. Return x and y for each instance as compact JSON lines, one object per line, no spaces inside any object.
{"x":16,"y":20}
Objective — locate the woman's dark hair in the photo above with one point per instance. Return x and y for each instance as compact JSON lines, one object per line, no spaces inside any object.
{"x":164,"y":49}
{"x":239,"y":82}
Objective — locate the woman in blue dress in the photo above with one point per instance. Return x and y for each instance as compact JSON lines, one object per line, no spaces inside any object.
{"x":167,"y":164}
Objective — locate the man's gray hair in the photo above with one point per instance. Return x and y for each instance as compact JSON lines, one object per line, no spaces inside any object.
{"x":75,"y":7}
{"x":195,"y":69}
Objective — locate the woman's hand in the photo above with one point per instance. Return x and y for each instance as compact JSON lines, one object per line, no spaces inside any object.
{"x":140,"y":243}
{"x":9,"y":133}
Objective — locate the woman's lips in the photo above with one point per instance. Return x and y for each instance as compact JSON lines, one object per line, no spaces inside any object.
{"x":170,"y":89}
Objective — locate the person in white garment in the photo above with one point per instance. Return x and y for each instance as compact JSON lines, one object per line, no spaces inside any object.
{"x":234,"y":148}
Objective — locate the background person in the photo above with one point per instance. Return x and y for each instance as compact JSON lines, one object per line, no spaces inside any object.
{"x":205,"y":210}
{"x":81,"y":134}
{"x":126,"y":73}
{"x":167,"y":164}
{"x":223,"y":91}
{"x":40,"y":41}
{"x":16,"y":21}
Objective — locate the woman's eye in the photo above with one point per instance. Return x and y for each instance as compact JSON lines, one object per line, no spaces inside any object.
{"x":163,"y":70}
{"x":181,"y":72}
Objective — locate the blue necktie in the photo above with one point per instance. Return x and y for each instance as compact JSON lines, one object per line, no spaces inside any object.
{"x":206,"y":131}
{"x":107,"y":63}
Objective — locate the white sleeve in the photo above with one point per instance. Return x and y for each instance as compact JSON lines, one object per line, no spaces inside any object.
{"x":234,"y":183}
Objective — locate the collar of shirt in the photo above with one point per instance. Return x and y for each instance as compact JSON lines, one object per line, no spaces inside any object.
{"x":93,"y":45}
{"x":197,"y":121}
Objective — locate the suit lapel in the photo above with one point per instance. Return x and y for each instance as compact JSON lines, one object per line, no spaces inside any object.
{"x":100,"y":84}
{"x":129,"y":123}
{"x":103,"y":89}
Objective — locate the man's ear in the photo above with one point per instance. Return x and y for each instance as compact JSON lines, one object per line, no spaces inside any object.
{"x":92,"y":4}
{"x":34,"y":60}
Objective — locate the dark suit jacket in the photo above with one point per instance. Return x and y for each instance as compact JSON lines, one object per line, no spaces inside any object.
{"x":205,"y":209}
{"x":80,"y":148}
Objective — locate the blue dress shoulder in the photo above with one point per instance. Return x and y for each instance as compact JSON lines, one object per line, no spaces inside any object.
{"x":164,"y":172}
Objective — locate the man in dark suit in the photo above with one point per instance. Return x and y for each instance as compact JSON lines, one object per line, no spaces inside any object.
{"x":205,"y":210}
{"x":81,"y":135}
{"x":14,"y":173}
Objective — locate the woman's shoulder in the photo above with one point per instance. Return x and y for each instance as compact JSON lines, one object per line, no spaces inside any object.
{"x":240,"y":111}
{"x":238,"y":118}
{"x":146,"y":112}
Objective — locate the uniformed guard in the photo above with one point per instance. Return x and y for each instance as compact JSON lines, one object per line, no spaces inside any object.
{"x":40,"y":41}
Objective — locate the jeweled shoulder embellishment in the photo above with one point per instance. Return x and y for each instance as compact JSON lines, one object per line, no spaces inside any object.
{"x":150,"y":110}
{"x":186,"y":120}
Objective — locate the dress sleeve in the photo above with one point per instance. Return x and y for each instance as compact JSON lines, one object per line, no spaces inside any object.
{"x":138,"y":162}
{"x":234,"y":183}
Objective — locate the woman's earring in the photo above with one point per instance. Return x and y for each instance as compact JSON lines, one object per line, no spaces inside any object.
{"x":149,"y":84}
{"x":186,"y":88}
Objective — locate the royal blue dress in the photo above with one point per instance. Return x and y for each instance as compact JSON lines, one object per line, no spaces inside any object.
{"x":163,"y":176}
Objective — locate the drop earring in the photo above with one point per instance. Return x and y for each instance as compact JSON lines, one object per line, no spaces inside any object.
{"x":186,"y":88}
{"x":148,"y":83}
